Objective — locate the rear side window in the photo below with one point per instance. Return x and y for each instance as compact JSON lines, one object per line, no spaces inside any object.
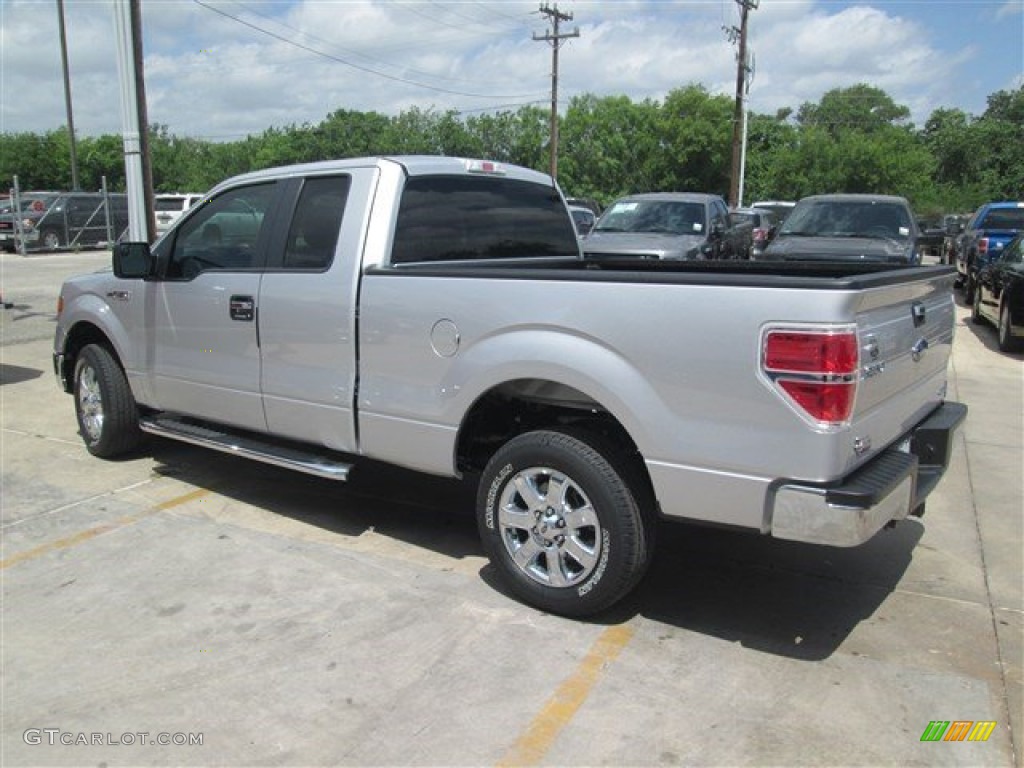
{"x":1003,"y":218}
{"x":445,"y":218}
{"x":313,"y":235}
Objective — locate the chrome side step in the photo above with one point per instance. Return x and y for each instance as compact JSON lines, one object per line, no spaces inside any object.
{"x":249,"y":446}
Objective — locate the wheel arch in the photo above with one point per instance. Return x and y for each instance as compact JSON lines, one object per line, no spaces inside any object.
{"x":517,"y":406}
{"x":79,"y":336}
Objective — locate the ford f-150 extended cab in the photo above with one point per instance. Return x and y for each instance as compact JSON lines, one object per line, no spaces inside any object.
{"x":436,"y":313}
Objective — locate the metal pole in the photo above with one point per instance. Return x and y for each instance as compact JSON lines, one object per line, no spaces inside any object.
{"x":67,"y":95}
{"x":140,"y":106}
{"x":19,"y":229}
{"x":555,"y":39}
{"x":130,"y":125}
{"x":106,"y":213}
{"x":743,"y":158}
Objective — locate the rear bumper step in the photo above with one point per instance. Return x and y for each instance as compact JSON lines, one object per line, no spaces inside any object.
{"x":890,"y":487}
{"x":245,"y":444}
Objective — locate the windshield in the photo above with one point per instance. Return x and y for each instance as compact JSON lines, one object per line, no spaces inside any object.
{"x":846,"y":218}
{"x":28,"y":203}
{"x":1003,"y":218}
{"x":664,"y":216}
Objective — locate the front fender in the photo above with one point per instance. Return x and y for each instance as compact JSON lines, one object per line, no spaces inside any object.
{"x":88,"y":318}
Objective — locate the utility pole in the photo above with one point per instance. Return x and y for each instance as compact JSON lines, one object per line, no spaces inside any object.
{"x":135,"y":9}
{"x":67,"y":95}
{"x":555,"y":39}
{"x":742,"y":67}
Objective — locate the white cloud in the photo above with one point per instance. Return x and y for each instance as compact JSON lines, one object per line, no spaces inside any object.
{"x":215,"y":76}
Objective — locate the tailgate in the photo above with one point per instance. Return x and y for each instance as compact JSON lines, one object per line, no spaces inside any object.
{"x":905,"y":334}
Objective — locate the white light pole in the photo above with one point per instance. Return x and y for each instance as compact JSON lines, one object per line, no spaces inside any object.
{"x":137,"y":229}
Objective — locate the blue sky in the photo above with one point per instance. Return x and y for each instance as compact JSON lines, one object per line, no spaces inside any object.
{"x":222,"y":69}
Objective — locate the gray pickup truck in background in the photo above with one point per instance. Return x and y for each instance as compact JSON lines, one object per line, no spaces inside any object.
{"x":669,"y":225}
{"x":436,"y":314}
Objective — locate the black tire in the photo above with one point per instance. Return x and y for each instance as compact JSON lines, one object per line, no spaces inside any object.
{"x":968,"y":290}
{"x":590,"y":551}
{"x":49,"y":239}
{"x":108,"y":418}
{"x":1007,"y":341}
{"x":975,"y":303}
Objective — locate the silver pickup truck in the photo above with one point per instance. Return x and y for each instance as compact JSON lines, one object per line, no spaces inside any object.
{"x":436,"y":313}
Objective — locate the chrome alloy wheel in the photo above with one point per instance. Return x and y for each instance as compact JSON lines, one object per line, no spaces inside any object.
{"x":549,"y":527}
{"x":90,"y":401}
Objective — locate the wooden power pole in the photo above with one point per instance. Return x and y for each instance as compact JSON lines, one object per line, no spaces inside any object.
{"x":746,"y":6}
{"x":555,"y":38}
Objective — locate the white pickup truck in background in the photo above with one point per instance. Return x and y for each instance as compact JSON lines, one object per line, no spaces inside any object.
{"x":436,"y":313}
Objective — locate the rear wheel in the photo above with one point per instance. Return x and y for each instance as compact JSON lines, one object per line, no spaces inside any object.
{"x":1007,"y":341}
{"x":107,"y":415}
{"x":562,"y":518}
{"x":50,"y":239}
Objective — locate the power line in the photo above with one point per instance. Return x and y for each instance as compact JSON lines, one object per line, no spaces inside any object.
{"x":352,"y":64}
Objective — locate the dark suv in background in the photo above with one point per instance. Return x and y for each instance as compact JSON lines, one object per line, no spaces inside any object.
{"x":854,"y":227}
{"x":71,"y":220}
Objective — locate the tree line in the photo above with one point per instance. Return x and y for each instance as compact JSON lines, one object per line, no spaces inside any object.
{"x":854,"y":139}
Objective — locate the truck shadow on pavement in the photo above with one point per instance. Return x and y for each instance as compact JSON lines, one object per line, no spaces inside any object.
{"x":782,"y":598}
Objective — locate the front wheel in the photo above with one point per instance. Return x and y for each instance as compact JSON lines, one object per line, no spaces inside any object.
{"x":107,"y":415}
{"x":1007,"y":341}
{"x":562,"y":519}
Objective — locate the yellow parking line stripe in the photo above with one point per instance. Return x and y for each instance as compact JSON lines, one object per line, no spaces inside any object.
{"x":537,"y":739}
{"x":91,"y":533}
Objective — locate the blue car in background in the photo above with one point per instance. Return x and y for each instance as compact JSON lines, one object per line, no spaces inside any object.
{"x":989,"y":231}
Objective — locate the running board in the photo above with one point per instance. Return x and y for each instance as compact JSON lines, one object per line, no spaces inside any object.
{"x":248,"y":446}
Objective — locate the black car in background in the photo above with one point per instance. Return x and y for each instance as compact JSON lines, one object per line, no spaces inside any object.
{"x":30,"y":207}
{"x":53,"y":221}
{"x":999,"y":296}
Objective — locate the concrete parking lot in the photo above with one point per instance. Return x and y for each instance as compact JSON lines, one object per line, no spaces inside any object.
{"x":184,"y":607}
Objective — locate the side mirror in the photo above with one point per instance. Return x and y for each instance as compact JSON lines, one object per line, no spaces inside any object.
{"x":132,"y":260}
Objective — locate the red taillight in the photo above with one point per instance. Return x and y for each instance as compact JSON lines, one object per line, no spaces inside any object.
{"x":831,"y":403}
{"x":816,"y":369}
{"x":760,"y":234}
{"x":983,"y":245}
{"x":802,"y":352}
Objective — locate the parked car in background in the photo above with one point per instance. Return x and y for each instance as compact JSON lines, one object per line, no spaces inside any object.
{"x":669,"y":225}
{"x":990,"y":229}
{"x":170,"y":206}
{"x":764,"y":226}
{"x":954,"y":225}
{"x":585,"y":202}
{"x":74,"y":220}
{"x":999,"y":296}
{"x":850,"y":227}
{"x":30,"y":207}
{"x":583,"y":219}
{"x":931,"y":237}
{"x":781,"y":208}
